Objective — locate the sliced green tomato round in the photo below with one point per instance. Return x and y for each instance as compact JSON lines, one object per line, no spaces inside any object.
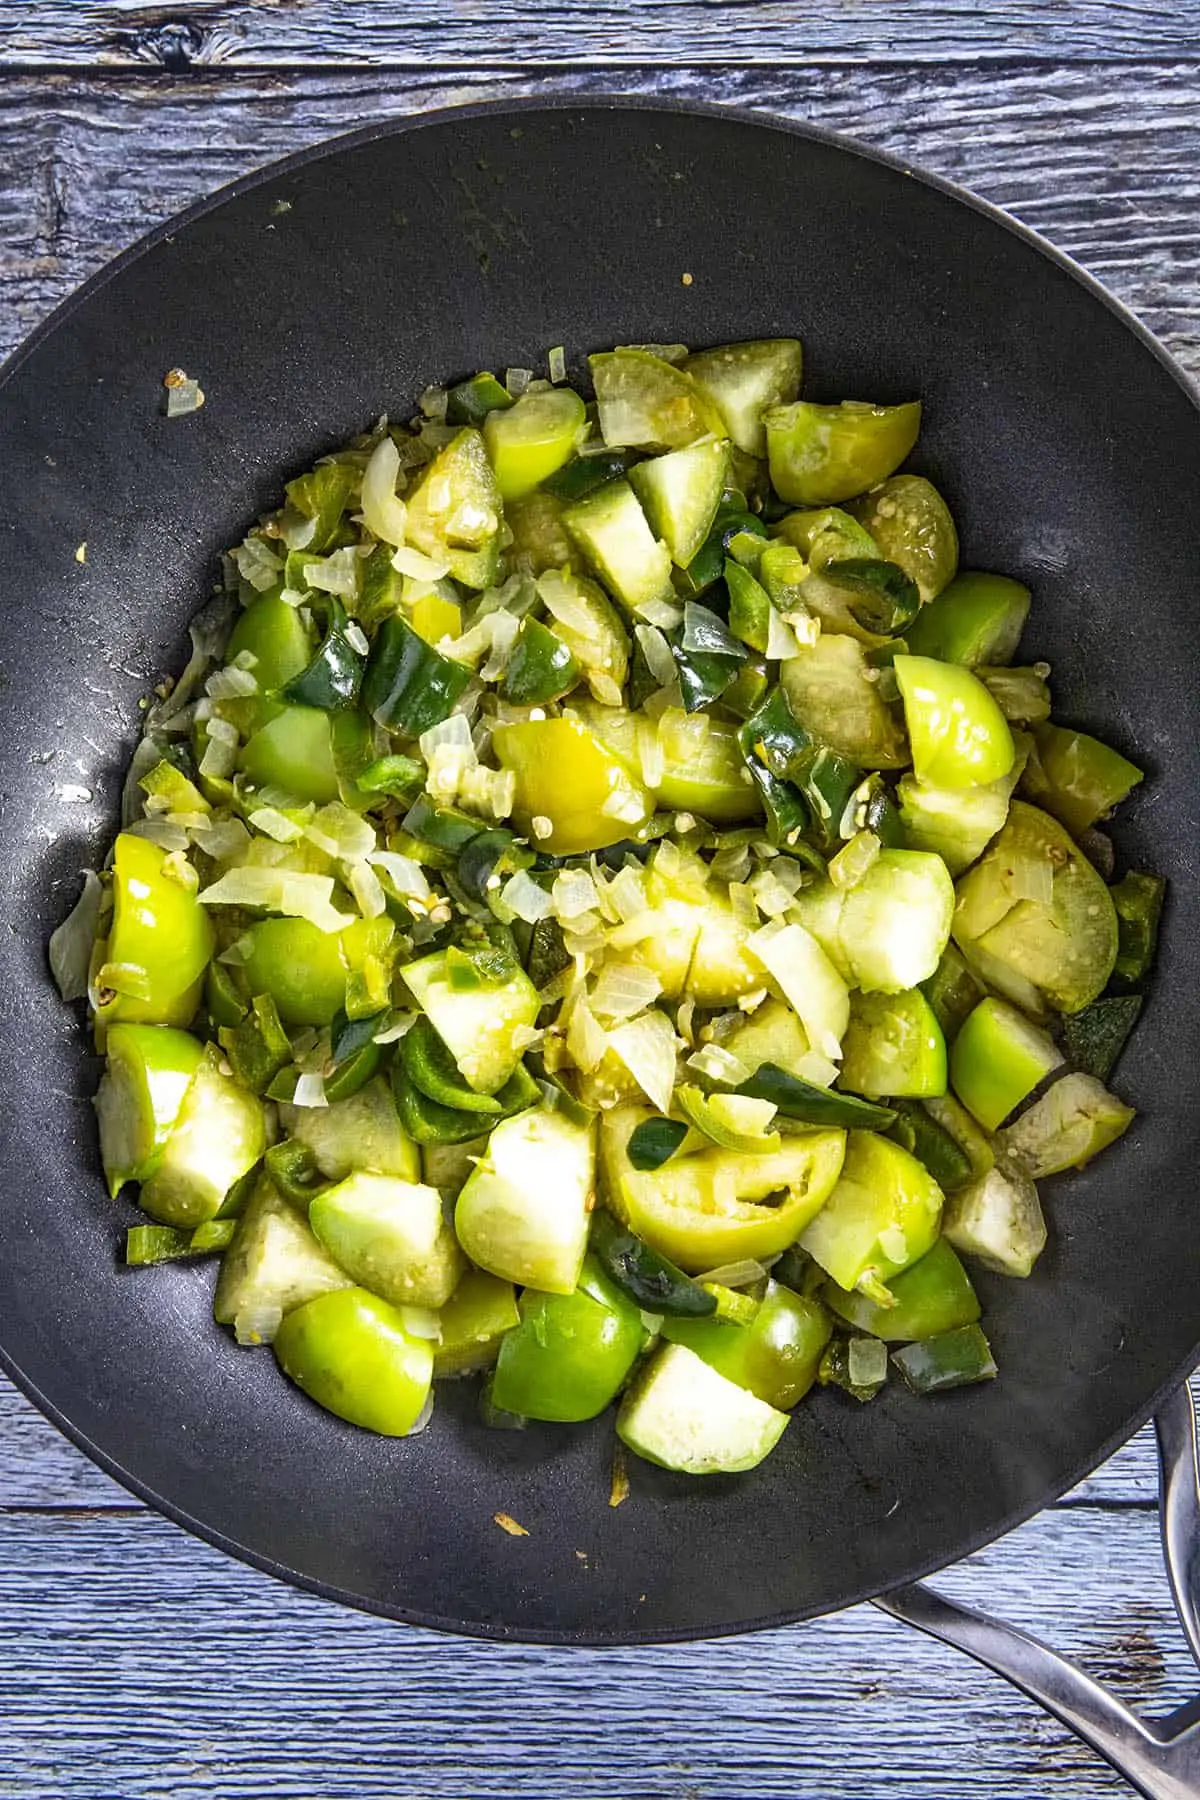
{"x":718,"y":1206}
{"x":530,"y":440}
{"x":570,"y":1354}
{"x":281,"y":644}
{"x":567,"y":780}
{"x":775,"y":1356}
{"x":353,"y":1354}
{"x":141,"y":1094}
{"x":820,"y":454}
{"x":650,"y":404}
{"x":160,"y":934}
{"x":882,"y":1215}
{"x":301,"y":968}
{"x":912,"y":526}
{"x":702,"y":770}
{"x":1057,"y":946}
{"x":958,"y":734}
{"x":998,"y":1059}
{"x":893,"y":1046}
{"x":294,"y":752}
{"x":977,"y":619}
{"x":680,"y":493}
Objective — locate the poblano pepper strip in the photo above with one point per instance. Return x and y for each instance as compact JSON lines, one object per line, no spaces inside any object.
{"x":654,"y":1142}
{"x":812,"y":1105}
{"x":469,"y":402}
{"x":408,"y":685}
{"x":648,"y":1278}
{"x":334,"y":676}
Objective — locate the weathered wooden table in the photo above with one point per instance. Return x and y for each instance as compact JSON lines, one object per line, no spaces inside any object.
{"x":136,"y":1663}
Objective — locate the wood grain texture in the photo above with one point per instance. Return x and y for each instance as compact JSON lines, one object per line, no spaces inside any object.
{"x":135,"y":1663}
{"x":311,"y":33}
{"x":1110,"y":172}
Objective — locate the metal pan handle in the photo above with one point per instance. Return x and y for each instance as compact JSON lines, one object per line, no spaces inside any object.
{"x":1160,"y":1758}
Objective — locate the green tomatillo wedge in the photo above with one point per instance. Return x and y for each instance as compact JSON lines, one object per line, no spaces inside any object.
{"x":390,"y":1236}
{"x":353,"y":1354}
{"x":218,"y":1135}
{"x":153,"y":966}
{"x":958,"y":734}
{"x":775,"y":1355}
{"x":882,"y":1216}
{"x":684,"y":1415}
{"x":531,"y":439}
{"x":571,"y":1352}
{"x":474,"y":1321}
{"x":141,"y":1094}
{"x":998,"y":1059}
{"x":523,"y":1211}
{"x":932,"y":1296}
{"x":820,"y":454}
{"x":893,"y":1046}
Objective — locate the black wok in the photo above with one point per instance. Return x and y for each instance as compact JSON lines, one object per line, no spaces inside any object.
{"x":308,"y":299}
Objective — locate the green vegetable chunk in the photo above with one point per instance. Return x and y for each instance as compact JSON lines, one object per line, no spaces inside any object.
{"x":882,"y":1215}
{"x":1138,"y":900}
{"x":680,"y":493}
{"x":409,"y":686}
{"x":684,"y":1415}
{"x":976,"y":619}
{"x":219,"y":1134}
{"x":352,"y":1353}
{"x":454,"y":512}
{"x":1096,"y":1036}
{"x":743,"y":380}
{"x":540,"y":669}
{"x":273,"y":1264}
{"x":932,"y":1296}
{"x":523,"y":1212}
{"x":650,"y":1280}
{"x":819,"y":454}
{"x":958,"y":734}
{"x":998,"y":1059}
{"x":956,"y":1359}
{"x":1076,"y":777}
{"x":152,"y":968}
{"x":894,"y":1046}
{"x":912,"y":526}
{"x":473,"y":1321}
{"x":481,"y":1023}
{"x":149,"y":1071}
{"x":1069,"y":1125}
{"x":998,"y":1219}
{"x":775,"y":1355}
{"x":932,"y":1144}
{"x":389,"y":1236}
{"x":530,"y":440}
{"x":570,"y":1354}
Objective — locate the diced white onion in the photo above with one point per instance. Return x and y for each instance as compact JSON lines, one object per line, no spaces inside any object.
{"x":781,"y":640}
{"x":220,"y":731}
{"x":337,"y":573}
{"x":408,"y":561}
{"x":368,"y":894}
{"x":818,"y":1069}
{"x":357,"y":638}
{"x":627,"y":891}
{"x":517,"y":380}
{"x":258,"y":564}
{"x":624,"y":989}
{"x":718,"y":1064}
{"x":557,"y":362}
{"x":741,"y":1274}
{"x":339,"y":832}
{"x":275,"y":824}
{"x":434,"y":403}
{"x":159,"y":831}
{"x":298,"y":529}
{"x":647,"y":1048}
{"x":650,"y":755}
{"x":809,"y":981}
{"x":297,"y":896}
{"x":625,"y":806}
{"x":221,"y":840}
{"x":398,"y":1024}
{"x":573,"y":893}
{"x":384,"y":513}
{"x":422,"y":1322}
{"x":867,"y":1361}
{"x":72,"y":942}
{"x":587,"y":1040}
{"x":504,"y":629}
{"x":525,"y":899}
{"x":230,"y":684}
{"x":657,"y":653}
{"x":220,"y":758}
{"x":406,"y":876}
{"x":661,"y":613}
{"x":310,"y":1090}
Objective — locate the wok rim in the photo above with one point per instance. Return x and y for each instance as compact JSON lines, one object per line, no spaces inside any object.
{"x":762,"y":119}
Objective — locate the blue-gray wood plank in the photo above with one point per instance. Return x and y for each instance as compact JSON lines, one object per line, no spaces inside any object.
{"x":137,"y":1663}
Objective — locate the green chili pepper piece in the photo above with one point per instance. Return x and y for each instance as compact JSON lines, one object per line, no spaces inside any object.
{"x":654,"y":1142}
{"x":470,"y":401}
{"x":952,"y":991}
{"x":1096,"y":1036}
{"x":787,"y":814}
{"x":882,"y":598}
{"x":147,"y":1244}
{"x":834,"y":1371}
{"x":354,"y":1073}
{"x":258,"y":1047}
{"x":431,"y":1068}
{"x":409,"y":686}
{"x":708,"y":564}
{"x":749,"y":606}
{"x":323,"y":494}
{"x":442,"y":826}
{"x":348,"y":1036}
{"x":234,"y":1203}
{"x":931,"y":1144}
{"x":428,"y":1122}
{"x":584,"y":474}
{"x":1138,"y":899}
{"x":540,"y":669}
{"x":397,"y":776}
{"x":954,"y":1359}
{"x":745,"y":695}
{"x":548,"y":953}
{"x":650,"y":1280}
{"x":295,"y":1173}
{"x":813,"y":1105}
{"x":333,"y":677}
{"x":223,"y":999}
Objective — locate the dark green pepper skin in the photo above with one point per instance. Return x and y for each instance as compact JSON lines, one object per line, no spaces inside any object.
{"x":812,"y":1105}
{"x":827,"y":782}
{"x":333,"y":677}
{"x":428,"y":1121}
{"x":584,"y":474}
{"x":398,"y":777}
{"x":650,"y":1280}
{"x":431,"y":1069}
{"x":323,"y":494}
{"x":258,"y":1047}
{"x":955,"y":1359}
{"x":541,"y":668}
{"x":469,"y":402}
{"x":881,"y":597}
{"x":1138,"y":899}
{"x":931,"y":1144}
{"x":353,"y":1072}
{"x":294,"y":1174}
{"x":953,"y":992}
{"x":1095,"y":1037}
{"x":409,"y":686}
{"x":654,"y":1142}
{"x":775,"y":1356}
{"x":933,"y":1296}
{"x":568,"y":1357}
{"x":708,"y":564}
